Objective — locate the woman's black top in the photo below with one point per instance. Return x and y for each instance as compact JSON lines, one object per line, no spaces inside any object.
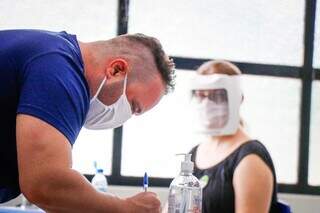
{"x":218,"y":193}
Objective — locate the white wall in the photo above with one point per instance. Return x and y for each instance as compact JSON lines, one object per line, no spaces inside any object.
{"x":298,"y":203}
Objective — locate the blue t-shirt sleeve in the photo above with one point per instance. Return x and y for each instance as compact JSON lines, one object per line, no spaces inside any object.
{"x":53,"y":89}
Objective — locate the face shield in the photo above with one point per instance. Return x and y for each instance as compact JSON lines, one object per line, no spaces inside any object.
{"x":216,"y":100}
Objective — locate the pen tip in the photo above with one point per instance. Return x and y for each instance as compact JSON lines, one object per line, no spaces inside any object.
{"x":145,"y":179}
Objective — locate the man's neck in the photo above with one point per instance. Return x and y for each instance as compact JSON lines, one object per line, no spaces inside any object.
{"x":91,"y":67}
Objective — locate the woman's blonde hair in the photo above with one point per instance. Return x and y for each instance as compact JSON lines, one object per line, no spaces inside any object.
{"x":219,"y":67}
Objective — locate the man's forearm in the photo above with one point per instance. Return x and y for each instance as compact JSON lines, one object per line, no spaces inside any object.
{"x":68,"y":192}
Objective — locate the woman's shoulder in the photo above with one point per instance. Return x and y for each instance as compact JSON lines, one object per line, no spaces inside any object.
{"x":253,"y":147}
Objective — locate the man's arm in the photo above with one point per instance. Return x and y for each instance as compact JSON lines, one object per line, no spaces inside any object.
{"x":47,"y":179}
{"x":253,"y":184}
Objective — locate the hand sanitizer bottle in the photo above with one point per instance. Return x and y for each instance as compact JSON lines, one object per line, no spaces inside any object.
{"x":185,"y":193}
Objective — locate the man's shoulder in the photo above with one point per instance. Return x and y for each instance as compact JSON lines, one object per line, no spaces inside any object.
{"x":23,"y":46}
{"x":55,"y":91}
{"x":53,"y":53}
{"x":34,"y":42}
{"x":54,"y":68}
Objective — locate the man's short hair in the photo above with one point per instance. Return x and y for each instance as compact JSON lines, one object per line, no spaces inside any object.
{"x":163,"y":63}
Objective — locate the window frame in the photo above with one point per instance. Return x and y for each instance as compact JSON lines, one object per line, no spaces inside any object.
{"x":305,"y":73}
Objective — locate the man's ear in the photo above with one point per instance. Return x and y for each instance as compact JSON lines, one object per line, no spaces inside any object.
{"x":116,"y":68}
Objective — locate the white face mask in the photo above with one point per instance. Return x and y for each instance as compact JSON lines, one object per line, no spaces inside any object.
{"x":212,"y":115}
{"x":101,"y":116}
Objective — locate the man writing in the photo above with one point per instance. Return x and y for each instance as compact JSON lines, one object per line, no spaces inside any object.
{"x":51,"y":85}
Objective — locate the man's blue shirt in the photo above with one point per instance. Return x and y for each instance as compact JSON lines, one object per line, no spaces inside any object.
{"x":42,"y":75}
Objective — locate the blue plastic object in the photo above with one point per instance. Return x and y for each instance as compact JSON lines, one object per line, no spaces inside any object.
{"x":18,"y":210}
{"x":284,"y":208}
{"x":145,"y":182}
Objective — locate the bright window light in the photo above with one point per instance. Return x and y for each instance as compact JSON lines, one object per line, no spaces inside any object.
{"x":316,"y":61}
{"x":271,"y":110}
{"x":268,"y":32}
{"x":90,"y":146}
{"x":314,"y":169}
{"x":89,"y":20}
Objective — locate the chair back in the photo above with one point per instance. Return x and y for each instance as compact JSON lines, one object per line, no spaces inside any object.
{"x":284,"y":208}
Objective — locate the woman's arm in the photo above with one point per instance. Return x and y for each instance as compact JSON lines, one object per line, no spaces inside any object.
{"x":253,"y":185}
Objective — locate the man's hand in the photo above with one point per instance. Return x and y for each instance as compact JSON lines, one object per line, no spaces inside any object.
{"x":145,"y":202}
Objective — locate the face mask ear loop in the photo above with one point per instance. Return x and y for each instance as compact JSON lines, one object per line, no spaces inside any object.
{"x":125,"y":84}
{"x":99,"y":89}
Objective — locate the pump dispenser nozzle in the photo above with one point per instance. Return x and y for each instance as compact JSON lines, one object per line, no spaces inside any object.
{"x":187,"y":164}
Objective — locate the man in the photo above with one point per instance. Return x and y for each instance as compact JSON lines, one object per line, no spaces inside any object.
{"x":50,"y":86}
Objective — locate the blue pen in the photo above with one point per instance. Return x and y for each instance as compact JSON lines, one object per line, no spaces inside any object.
{"x":145,"y":182}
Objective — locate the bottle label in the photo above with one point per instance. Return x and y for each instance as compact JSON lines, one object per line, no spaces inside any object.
{"x":174,"y":206}
{"x":197,"y":201}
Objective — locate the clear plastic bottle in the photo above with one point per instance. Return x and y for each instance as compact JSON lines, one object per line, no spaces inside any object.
{"x":185,"y":193}
{"x":99,"y":181}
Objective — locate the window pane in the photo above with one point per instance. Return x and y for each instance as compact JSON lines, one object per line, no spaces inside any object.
{"x":150,"y":141}
{"x":250,"y":31}
{"x":271,"y":112}
{"x":90,"y":146}
{"x":90,"y":20}
{"x":314,"y":169}
{"x":317,"y":38}
{"x":270,"y":109}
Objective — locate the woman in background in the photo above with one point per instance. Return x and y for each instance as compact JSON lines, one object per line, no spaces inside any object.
{"x":236,"y":172}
